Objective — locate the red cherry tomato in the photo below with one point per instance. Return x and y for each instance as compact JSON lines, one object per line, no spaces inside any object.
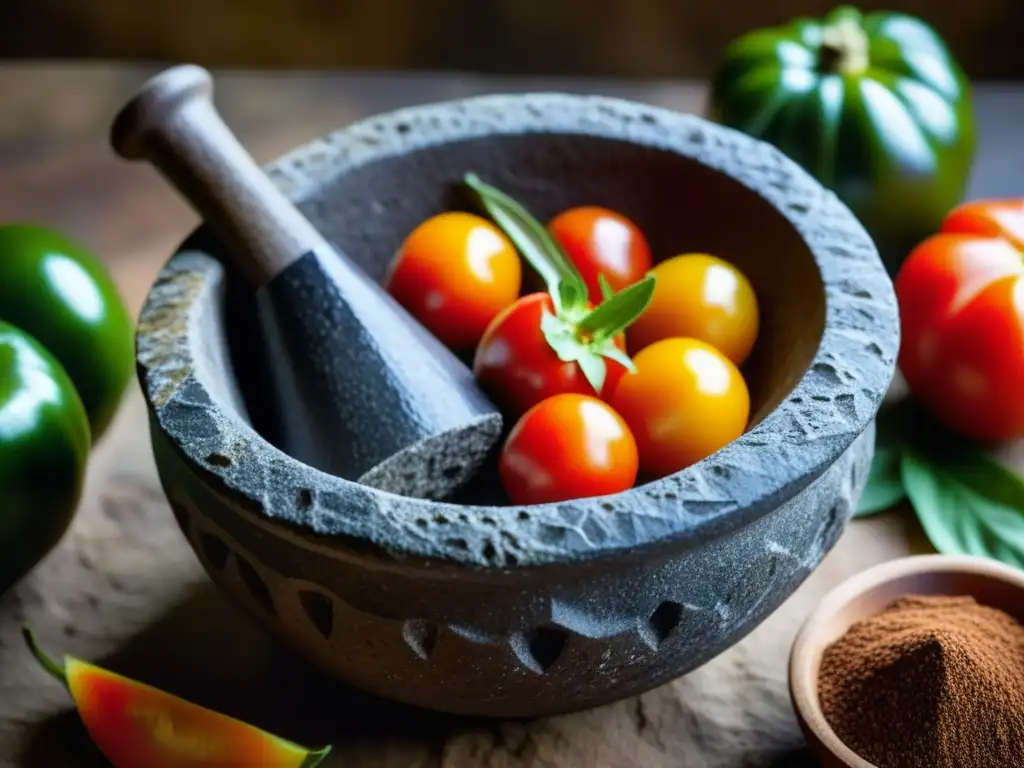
{"x":600,"y":241}
{"x":684,"y":402}
{"x":518,"y":368}
{"x":568,"y":447}
{"x":454,"y":273}
{"x":961,"y":300}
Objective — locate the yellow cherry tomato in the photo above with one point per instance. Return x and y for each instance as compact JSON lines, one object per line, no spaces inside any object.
{"x":699,"y":296}
{"x":454,"y":273}
{"x":684,"y":401}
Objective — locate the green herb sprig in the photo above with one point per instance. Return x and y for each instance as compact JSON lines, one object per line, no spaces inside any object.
{"x":967,"y":502}
{"x":576,"y":331}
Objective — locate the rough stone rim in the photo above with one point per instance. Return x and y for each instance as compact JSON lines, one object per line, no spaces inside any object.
{"x":859,"y":343}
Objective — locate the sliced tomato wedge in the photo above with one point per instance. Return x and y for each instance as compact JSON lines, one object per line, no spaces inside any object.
{"x":136,"y":725}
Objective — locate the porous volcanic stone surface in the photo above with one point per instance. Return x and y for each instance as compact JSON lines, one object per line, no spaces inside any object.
{"x":504,"y":610}
{"x":384,"y":403}
{"x":824,"y":413}
{"x":124,"y":589}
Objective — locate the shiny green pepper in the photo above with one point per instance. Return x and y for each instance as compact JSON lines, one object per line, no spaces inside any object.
{"x":52,"y":288}
{"x":44,"y":448}
{"x":872,"y":105}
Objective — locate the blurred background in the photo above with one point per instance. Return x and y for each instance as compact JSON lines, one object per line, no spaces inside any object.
{"x":622,"y":38}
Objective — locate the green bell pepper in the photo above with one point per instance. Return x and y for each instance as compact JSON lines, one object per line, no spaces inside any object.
{"x":44,"y":448}
{"x":52,"y":288}
{"x":872,"y":105}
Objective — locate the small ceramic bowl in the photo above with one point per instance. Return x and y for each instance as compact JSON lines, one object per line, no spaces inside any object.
{"x":475,"y":605}
{"x":867,"y":594}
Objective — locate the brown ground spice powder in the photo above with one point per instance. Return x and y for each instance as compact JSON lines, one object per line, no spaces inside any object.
{"x":931,"y":682}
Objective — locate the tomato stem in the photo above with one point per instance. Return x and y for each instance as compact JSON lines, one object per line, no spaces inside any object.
{"x":576,"y":332}
{"x":315,"y":758}
{"x":844,"y":48}
{"x":47,"y":662}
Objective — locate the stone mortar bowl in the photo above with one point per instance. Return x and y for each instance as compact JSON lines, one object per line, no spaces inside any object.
{"x":499,"y":610}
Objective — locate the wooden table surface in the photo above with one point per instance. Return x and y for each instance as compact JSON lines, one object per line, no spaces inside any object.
{"x":123,"y":588}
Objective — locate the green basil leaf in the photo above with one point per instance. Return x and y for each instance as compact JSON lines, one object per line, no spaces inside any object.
{"x":527,"y":246}
{"x":535,"y":243}
{"x":884,"y":486}
{"x":967,"y":502}
{"x":618,"y":312}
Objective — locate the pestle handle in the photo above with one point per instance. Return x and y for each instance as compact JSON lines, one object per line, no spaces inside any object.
{"x":172,"y":123}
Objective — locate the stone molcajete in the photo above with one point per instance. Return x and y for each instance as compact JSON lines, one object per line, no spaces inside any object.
{"x":521,"y":611}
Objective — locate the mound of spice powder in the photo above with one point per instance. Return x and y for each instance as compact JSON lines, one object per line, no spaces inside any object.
{"x":930,"y":681}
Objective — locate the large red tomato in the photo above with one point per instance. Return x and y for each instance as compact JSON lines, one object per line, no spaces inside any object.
{"x":599,"y":241}
{"x":567,"y":447}
{"x":961,"y":299}
{"x":518,"y":367}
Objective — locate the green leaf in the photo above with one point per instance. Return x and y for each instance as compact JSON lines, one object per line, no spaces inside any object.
{"x":618,"y":312}
{"x":606,"y":288}
{"x":527,"y":245}
{"x":612,"y":352}
{"x":535,"y":243}
{"x":561,"y":338}
{"x":884,"y":487}
{"x":967,"y":503}
{"x":594,"y":370}
{"x":569,"y":299}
